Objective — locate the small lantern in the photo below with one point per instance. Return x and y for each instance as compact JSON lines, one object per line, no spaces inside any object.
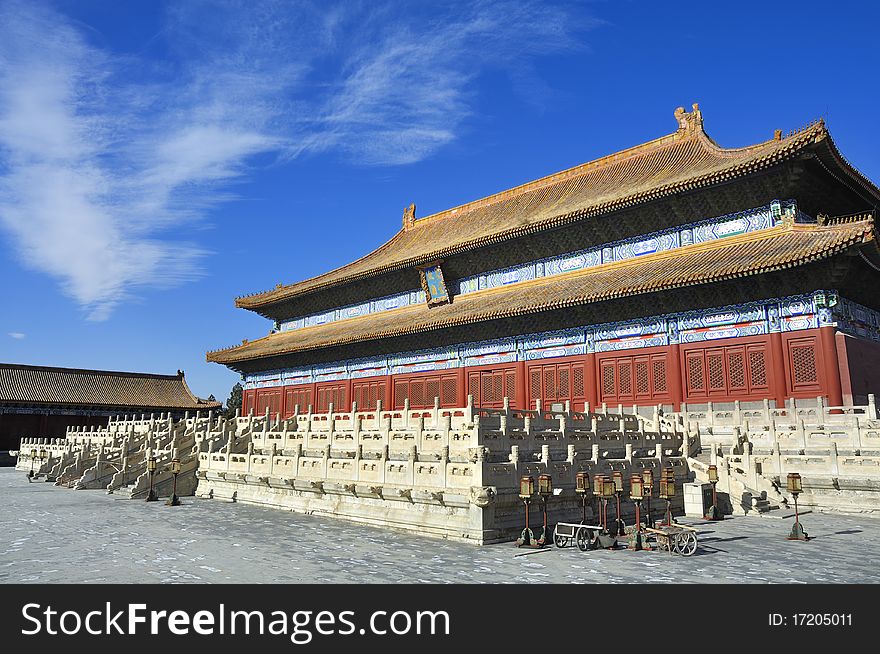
{"x":607,"y":487}
{"x":582,"y":483}
{"x":713,"y":474}
{"x":617,"y":478}
{"x":794,"y":483}
{"x":636,"y":487}
{"x":33,"y":453}
{"x":42,"y":453}
{"x":648,"y":480}
{"x":667,"y":488}
{"x":526,"y":487}
{"x":175,"y":466}
{"x":151,"y":464}
{"x":545,"y":485}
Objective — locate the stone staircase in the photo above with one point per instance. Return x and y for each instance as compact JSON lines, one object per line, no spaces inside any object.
{"x":749,"y":494}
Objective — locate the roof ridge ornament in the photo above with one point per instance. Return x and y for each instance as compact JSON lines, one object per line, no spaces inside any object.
{"x":688,"y":123}
{"x":409,"y":217}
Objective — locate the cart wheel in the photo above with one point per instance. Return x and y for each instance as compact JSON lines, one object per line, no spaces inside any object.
{"x":560,"y":541}
{"x":584,"y":539}
{"x":686,"y":543}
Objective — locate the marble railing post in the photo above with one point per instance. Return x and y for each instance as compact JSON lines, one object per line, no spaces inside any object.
{"x":833,"y":461}
{"x":412,"y":457}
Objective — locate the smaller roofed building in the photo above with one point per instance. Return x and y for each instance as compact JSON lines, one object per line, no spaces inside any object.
{"x":39,"y":401}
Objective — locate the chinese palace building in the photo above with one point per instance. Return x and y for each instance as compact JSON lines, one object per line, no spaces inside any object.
{"x":45,"y":401}
{"x":676,"y":272}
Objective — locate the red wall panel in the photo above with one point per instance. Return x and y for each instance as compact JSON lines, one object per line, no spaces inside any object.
{"x":422,"y":388}
{"x":335,"y":393}
{"x":793,"y":364}
{"x":301,"y":395}
{"x":722,"y":371}
{"x":557,"y":381}
{"x":489,"y":385}
{"x":637,"y":377}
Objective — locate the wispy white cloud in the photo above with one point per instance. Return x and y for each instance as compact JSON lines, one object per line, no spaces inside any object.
{"x":105,"y":156}
{"x":16,"y":335}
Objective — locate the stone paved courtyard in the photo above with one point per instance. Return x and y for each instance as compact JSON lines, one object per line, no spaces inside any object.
{"x":52,"y":535}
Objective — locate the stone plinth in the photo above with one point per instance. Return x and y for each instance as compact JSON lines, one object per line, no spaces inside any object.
{"x":697,"y":499}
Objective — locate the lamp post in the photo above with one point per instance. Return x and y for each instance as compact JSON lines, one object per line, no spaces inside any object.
{"x":617,"y":478}
{"x":33,"y":458}
{"x":598,"y":489}
{"x":714,"y":512}
{"x":648,"y":489}
{"x":526,"y":490}
{"x":667,"y":491}
{"x":151,"y":467}
{"x":175,"y":470}
{"x":607,"y":494}
{"x":636,"y":493}
{"x":582,"y":487}
{"x":795,"y":487}
{"x":545,"y":490}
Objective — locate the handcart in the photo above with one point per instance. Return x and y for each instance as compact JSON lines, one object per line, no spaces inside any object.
{"x":674,"y":538}
{"x":586,"y":537}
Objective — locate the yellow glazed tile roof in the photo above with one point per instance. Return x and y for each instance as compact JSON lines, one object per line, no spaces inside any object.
{"x":71,"y":386}
{"x":681,"y":161}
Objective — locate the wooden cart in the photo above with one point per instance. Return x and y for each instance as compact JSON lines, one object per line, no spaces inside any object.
{"x":586,"y":537}
{"x":674,"y":538}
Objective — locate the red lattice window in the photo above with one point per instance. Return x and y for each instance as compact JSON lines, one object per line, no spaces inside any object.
{"x":549,"y":384}
{"x":643,"y":386}
{"x":498,"y":386}
{"x":401,"y":391}
{"x":534,"y":385}
{"x":803,"y":364}
{"x":658,"y":366}
{"x":474,"y":386}
{"x":421,"y":391}
{"x":334,"y":395}
{"x":736,"y":366}
{"x":432,"y":390}
{"x":715,"y":364}
{"x":301,"y":396}
{"x":366,"y":394}
{"x":757,"y":368}
{"x":625,"y":372}
{"x":448,"y":390}
{"x":491,"y":394}
{"x":577,"y":374}
{"x":695,"y":380}
{"x":510,"y":384}
{"x":564,"y":390}
{"x":608,"y":388}
{"x":417,"y":396}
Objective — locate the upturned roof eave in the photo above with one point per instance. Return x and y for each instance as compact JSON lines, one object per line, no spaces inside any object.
{"x":797,"y":142}
{"x":236,"y":354}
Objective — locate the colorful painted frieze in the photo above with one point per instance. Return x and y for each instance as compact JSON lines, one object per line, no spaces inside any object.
{"x":756,"y":318}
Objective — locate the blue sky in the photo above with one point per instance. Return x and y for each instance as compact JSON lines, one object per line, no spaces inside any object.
{"x":159,"y":159}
